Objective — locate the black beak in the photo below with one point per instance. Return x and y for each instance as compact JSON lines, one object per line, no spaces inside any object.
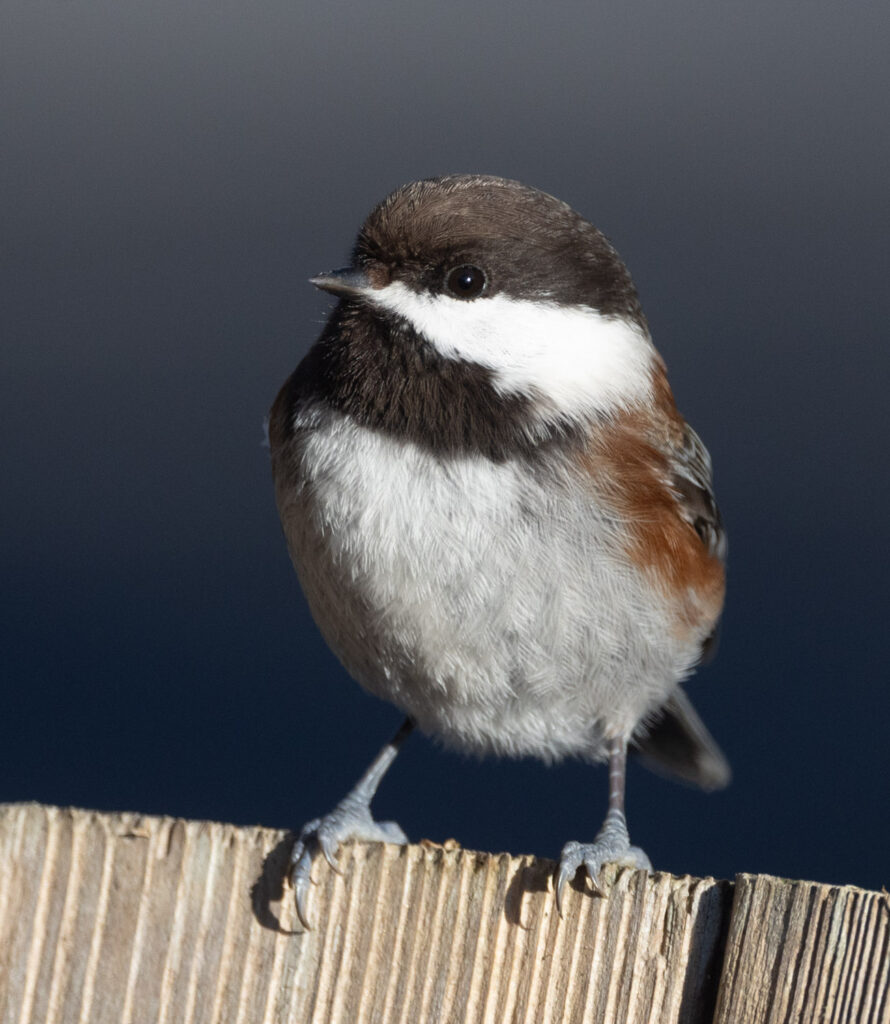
{"x":348,"y":281}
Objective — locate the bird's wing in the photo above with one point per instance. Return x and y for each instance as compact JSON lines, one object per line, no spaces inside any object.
{"x":694,"y":486}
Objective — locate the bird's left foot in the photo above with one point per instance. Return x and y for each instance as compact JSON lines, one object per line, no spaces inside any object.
{"x":350,"y":819}
{"x":611,"y":846}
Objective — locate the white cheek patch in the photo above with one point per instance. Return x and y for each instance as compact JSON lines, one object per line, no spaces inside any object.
{"x":575,"y":360}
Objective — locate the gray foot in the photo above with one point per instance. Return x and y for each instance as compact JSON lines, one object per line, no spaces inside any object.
{"x":350,"y":819}
{"x":611,"y":846}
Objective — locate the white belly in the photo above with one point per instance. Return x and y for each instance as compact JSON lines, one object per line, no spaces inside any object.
{"x":486,"y":603}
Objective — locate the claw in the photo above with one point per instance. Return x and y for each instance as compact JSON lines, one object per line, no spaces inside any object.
{"x":596,"y":888}
{"x":562,"y":876}
{"x":301,"y":879}
{"x":301,"y":893}
{"x":569,"y":863}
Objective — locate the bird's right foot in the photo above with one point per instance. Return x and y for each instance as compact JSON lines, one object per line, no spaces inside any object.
{"x":612,"y":845}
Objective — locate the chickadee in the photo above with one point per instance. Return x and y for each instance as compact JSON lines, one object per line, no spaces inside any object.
{"x":500,"y":521}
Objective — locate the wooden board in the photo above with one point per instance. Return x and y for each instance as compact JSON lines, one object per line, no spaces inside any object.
{"x":801,"y":952}
{"x":126,"y":918}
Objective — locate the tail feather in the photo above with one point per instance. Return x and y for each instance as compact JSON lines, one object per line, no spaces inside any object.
{"x":678,"y":744}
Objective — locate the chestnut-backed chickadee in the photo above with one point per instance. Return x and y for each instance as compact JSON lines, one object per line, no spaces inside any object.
{"x":500,"y":521}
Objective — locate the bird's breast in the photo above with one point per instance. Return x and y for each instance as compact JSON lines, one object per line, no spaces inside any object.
{"x":493,"y":602}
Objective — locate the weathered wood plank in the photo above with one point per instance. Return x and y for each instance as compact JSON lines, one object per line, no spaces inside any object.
{"x":128,"y":918}
{"x":802,"y":952}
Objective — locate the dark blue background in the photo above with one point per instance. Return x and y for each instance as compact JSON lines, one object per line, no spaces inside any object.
{"x":173,"y":172}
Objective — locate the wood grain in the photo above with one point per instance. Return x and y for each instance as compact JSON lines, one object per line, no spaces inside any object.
{"x":801,"y":952}
{"x":127,"y":918}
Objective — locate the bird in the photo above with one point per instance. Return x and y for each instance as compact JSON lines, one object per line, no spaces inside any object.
{"x":500,"y":521}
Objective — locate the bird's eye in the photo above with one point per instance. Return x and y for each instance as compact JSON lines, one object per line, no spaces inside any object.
{"x":466,"y":282}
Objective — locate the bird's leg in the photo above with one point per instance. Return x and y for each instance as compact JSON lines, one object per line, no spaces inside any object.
{"x":612,"y":843}
{"x":350,"y":819}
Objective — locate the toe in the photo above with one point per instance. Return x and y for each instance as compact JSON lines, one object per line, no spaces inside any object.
{"x":391,"y":832}
{"x":329,"y":843}
{"x":304,"y":839}
{"x":593,"y":865}
{"x":636,"y":858}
